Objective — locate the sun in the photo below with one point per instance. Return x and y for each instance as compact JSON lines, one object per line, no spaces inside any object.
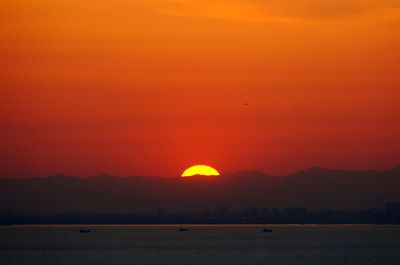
{"x":201,"y":170}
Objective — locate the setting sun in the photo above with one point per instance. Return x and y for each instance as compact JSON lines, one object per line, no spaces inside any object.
{"x":202,"y":170}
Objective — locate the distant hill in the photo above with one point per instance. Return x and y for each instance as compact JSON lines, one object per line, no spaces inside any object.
{"x":314,"y":188}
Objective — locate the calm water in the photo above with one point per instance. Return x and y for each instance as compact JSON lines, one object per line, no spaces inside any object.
{"x":230,"y":245}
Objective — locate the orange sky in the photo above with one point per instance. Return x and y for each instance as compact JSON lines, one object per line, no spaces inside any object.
{"x":149,"y":87}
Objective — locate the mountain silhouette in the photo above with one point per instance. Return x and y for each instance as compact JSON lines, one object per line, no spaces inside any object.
{"x":314,"y":188}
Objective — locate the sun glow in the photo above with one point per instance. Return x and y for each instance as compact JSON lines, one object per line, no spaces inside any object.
{"x":202,"y":170}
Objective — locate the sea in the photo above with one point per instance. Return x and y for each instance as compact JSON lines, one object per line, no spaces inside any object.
{"x":200,"y":244}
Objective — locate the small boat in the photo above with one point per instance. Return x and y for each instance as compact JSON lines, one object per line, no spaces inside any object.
{"x":267,"y":230}
{"x":181,"y":229}
{"x":85,"y":230}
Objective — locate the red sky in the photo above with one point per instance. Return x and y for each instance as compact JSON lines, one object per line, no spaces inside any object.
{"x":150,"y":87}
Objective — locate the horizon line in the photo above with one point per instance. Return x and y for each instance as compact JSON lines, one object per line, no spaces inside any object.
{"x":242,"y":171}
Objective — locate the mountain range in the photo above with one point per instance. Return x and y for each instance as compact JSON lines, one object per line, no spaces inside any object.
{"x":314,"y":188}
